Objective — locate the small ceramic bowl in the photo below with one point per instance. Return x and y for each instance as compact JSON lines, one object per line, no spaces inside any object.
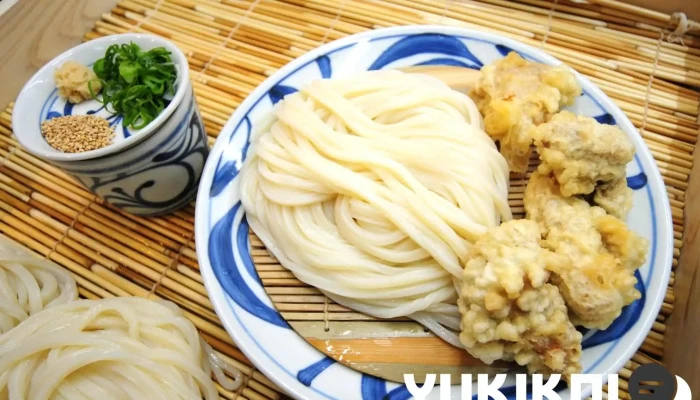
{"x":151,"y":171}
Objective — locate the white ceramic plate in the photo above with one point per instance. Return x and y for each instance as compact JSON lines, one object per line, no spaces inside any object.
{"x":222,"y":231}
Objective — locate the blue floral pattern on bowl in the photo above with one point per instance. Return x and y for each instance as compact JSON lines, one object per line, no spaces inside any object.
{"x":222,"y":231}
{"x":156,"y":176}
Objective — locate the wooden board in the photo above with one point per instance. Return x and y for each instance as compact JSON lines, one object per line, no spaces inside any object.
{"x":384,"y":348}
{"x":684,"y":324}
{"x":35,"y":31}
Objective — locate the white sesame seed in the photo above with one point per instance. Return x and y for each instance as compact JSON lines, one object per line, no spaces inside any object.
{"x":77,"y":133}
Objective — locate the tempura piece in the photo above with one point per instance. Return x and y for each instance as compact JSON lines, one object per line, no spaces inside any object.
{"x":514,"y":95}
{"x":601,"y":253}
{"x":581,"y":152}
{"x":509,"y":312}
{"x":74,"y":81}
{"x":615,"y":197}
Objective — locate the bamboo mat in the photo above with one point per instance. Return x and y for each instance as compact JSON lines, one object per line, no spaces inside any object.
{"x":233,"y":45}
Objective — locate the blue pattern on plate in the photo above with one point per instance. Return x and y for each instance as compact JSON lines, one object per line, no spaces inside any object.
{"x":623,"y":323}
{"x":324,"y":65}
{"x":242,"y":242}
{"x":447,"y":61}
{"x":307,"y":375}
{"x":413,"y":45}
{"x":638,"y":181}
{"x":374,"y":387}
{"x":504,"y":50}
{"x":278,"y":92}
{"x":399,"y":393}
{"x":225,"y":173}
{"x":606,"y":119}
{"x":221,"y":253}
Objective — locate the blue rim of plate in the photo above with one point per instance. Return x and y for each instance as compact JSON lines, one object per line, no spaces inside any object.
{"x":374,"y":387}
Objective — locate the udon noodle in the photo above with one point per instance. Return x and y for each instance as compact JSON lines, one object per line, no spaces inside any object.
{"x":372,"y":188}
{"x":29,"y":284}
{"x":115,"y":348}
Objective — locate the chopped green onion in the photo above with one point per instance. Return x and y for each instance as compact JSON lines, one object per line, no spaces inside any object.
{"x":135,"y":82}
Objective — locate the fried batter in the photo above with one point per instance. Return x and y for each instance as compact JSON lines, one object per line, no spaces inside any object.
{"x":509,"y":312}
{"x":615,"y":197}
{"x":513,"y":95}
{"x":581,"y":152}
{"x":600,"y":253}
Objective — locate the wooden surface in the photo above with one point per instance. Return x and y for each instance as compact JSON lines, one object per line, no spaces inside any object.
{"x":385,"y":348}
{"x":682,"y":349}
{"x":33,"y":32}
{"x":690,"y":7}
{"x":682,"y":346}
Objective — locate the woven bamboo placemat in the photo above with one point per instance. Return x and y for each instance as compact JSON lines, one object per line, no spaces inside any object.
{"x":632,"y":54}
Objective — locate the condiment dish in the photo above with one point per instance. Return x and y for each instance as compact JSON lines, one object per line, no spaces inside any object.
{"x":39,"y":100}
{"x":148,"y":172}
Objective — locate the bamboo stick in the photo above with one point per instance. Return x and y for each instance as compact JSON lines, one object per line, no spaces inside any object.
{"x":86,"y":294}
{"x":71,"y":192}
{"x":309,"y":31}
{"x":93,"y":220}
{"x":170,"y":279}
{"x":156,"y":287}
{"x":274,"y":45}
{"x":568,"y":27}
{"x":658,"y":97}
{"x":529,"y":12}
{"x":186,"y":42}
{"x":510,"y":13}
{"x":568,"y":9}
{"x":632,"y":9}
{"x":92,"y":223}
{"x":649,"y":42}
{"x":75,"y":206}
{"x":79,"y":272}
{"x":642,"y":53}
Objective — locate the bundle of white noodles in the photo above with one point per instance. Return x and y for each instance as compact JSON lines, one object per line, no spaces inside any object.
{"x":29,"y":284}
{"x":54,"y":347}
{"x":372,"y":188}
{"x":115,"y":348}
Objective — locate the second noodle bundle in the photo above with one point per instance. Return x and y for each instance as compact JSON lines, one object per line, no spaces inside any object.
{"x":29,"y":284}
{"x":116,"y":348}
{"x":55,"y":347}
{"x":372,"y":189}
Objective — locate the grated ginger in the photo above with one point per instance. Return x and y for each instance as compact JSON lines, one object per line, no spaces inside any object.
{"x":72,"y":80}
